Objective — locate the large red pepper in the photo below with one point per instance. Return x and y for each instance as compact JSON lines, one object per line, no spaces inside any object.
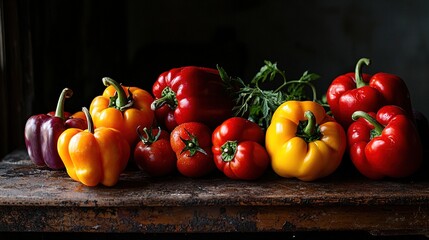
{"x":386,"y":144}
{"x":362,"y":92}
{"x":43,"y":130}
{"x":191,"y":94}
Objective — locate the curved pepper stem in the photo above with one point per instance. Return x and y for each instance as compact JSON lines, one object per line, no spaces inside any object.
{"x":358,"y":72}
{"x":168,"y":97}
{"x":59,"y":111}
{"x":309,"y":129}
{"x":120,"y":100}
{"x":88,"y":120}
{"x":228,"y":150}
{"x":150,"y":138}
{"x":378,"y":127}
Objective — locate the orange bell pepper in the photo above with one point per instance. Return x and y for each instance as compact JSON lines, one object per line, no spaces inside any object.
{"x":93,"y":156}
{"x":122,"y":108}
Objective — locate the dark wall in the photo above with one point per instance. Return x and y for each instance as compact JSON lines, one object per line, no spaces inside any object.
{"x":326,"y":37}
{"x":74,"y":43}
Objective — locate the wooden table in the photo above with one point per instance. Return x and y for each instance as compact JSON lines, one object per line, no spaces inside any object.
{"x":42,"y":200}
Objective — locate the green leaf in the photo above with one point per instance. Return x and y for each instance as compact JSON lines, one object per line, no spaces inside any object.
{"x":258,"y":104}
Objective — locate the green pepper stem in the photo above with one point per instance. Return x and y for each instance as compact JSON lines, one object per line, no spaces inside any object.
{"x":358,"y":72}
{"x":121,"y":99}
{"x":168,"y":97}
{"x":59,"y":111}
{"x":378,"y":127}
{"x":191,"y":145}
{"x":310,"y":128}
{"x":150,"y":138}
{"x":228,"y":150}
{"x":88,"y":119}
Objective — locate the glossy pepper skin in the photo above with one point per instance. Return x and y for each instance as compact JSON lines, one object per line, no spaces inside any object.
{"x":191,"y":94}
{"x":191,"y":141}
{"x":304,"y":142}
{"x":122,"y":108}
{"x":153,"y":154}
{"x":385,"y":144}
{"x":238,"y":149}
{"x":362,"y":92}
{"x":94,"y":156}
{"x":42,"y":131}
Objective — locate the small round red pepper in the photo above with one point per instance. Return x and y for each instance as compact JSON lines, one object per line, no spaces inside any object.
{"x":385,"y":144}
{"x":238,"y":149}
{"x":191,"y":141}
{"x":153,"y":154}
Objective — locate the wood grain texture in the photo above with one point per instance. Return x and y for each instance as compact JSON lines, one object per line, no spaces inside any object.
{"x":42,"y":200}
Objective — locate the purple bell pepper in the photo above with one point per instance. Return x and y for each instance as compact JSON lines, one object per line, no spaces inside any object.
{"x":43,"y":130}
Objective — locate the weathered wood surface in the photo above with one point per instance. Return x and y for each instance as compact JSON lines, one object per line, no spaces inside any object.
{"x":38,"y":199}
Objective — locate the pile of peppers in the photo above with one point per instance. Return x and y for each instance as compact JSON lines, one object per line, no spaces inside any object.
{"x":376,"y":111}
{"x":370,"y":120}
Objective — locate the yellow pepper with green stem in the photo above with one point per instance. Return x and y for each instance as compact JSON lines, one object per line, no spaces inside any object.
{"x":304,"y":142}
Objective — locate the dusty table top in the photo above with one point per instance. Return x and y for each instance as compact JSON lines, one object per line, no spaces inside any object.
{"x":39,"y":199}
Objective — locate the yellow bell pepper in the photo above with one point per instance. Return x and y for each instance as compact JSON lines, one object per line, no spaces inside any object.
{"x":304,"y":142}
{"x":93,"y":156}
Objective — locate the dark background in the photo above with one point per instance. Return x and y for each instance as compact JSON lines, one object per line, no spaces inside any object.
{"x":48,"y":45}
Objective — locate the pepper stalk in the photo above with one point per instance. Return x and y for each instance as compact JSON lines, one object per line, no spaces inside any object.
{"x":308,"y":129}
{"x":358,"y":72}
{"x":59,"y":111}
{"x":229,"y":150}
{"x":378,"y":127}
{"x":88,"y":120}
{"x":119,"y":100}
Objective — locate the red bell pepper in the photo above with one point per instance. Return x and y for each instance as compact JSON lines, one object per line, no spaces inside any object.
{"x":191,"y":94}
{"x":355,"y":91}
{"x":43,"y":130}
{"x":238,"y":149}
{"x":385,"y":144}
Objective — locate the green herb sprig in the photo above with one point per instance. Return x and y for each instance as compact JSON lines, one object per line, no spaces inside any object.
{"x":258,"y":104}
